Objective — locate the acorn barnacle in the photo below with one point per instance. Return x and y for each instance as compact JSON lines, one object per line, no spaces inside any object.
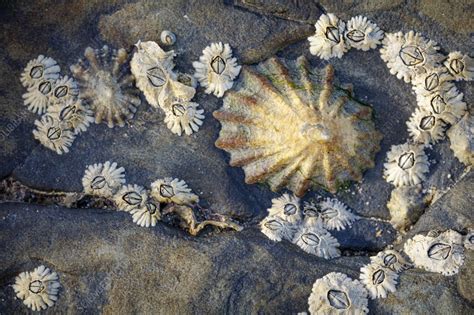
{"x":460,"y":66}
{"x":286,"y":207}
{"x":73,"y":114}
{"x":469,"y":240}
{"x":406,"y":165}
{"x":335,"y":215}
{"x":152,"y":68}
{"x":103,"y":180}
{"x":408,"y":55}
{"x":130,"y":197}
{"x":316,"y":240}
{"x":391,"y":259}
{"x":435,"y":80}
{"x":446,"y":105}
{"x":328,"y":40}
{"x":39,"y":69}
{"x":289,"y":126}
{"x":276,"y":228}
{"x":363,"y":34}
{"x":336,"y":293}
{"x":425,"y":127}
{"x":107,"y":85}
{"x":173,"y":190}
{"x":37,"y":97}
{"x":442,"y":254}
{"x":53,"y":134}
{"x":64,"y":89}
{"x":461,"y":136}
{"x":38,"y":288}
{"x":216,"y":69}
{"x":184,"y":117}
{"x":378,"y":280}
{"x":167,"y":38}
{"x":148,"y":214}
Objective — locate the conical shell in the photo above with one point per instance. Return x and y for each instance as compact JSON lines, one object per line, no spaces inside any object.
{"x":289,"y":126}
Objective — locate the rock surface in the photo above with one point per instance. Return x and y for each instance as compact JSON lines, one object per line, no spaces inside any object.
{"x":108,"y":264}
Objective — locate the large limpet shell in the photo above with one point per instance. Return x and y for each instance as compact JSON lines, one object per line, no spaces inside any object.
{"x":289,"y":126}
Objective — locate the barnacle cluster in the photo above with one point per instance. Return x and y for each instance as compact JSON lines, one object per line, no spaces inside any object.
{"x":165,"y":89}
{"x":333,"y":37}
{"x":288,"y":125}
{"x":443,"y":253}
{"x":216,"y":69}
{"x":307,"y":226}
{"x":38,"y":288}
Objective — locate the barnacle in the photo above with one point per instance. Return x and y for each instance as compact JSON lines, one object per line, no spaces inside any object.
{"x":391,"y":259}
{"x":335,"y":215}
{"x":434,"y":80}
{"x":286,"y":207}
{"x":469,"y":240}
{"x":130,"y":197}
{"x":73,"y":114}
{"x":461,"y":66}
{"x":446,"y":105}
{"x":378,"y":280}
{"x":328,"y":40}
{"x":406,"y":205}
{"x":106,"y":85}
{"x":408,"y":55}
{"x":103,"y":180}
{"x":64,"y":89}
{"x":276,"y":228}
{"x":53,"y":134}
{"x":216,"y":69}
{"x":362,"y":34}
{"x":167,"y":38}
{"x":173,"y":190}
{"x":40,"y":69}
{"x":336,"y":293}
{"x":187,"y":79}
{"x":288,"y":125}
{"x":37,"y":96}
{"x":461,"y":136}
{"x":38,"y":288}
{"x":406,"y":165}
{"x":425,"y":127}
{"x":148,"y":214}
{"x":316,"y":240}
{"x":152,"y":68}
{"x":184,"y":117}
{"x":442,"y":254}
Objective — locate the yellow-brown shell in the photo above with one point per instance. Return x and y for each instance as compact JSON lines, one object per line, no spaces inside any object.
{"x":289,"y":126}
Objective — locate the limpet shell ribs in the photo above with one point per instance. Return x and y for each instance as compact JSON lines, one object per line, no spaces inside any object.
{"x":336,"y":293}
{"x":289,"y":126}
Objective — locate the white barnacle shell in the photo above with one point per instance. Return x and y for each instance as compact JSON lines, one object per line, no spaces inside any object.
{"x":336,"y":293}
{"x":130,"y":197}
{"x":363,"y":34}
{"x":38,"y":288}
{"x":73,"y":114}
{"x":461,"y":136}
{"x":64,"y":89}
{"x":335,"y":215}
{"x":391,"y":259}
{"x":286,"y":207}
{"x":469,"y":240}
{"x":408,"y":55}
{"x":461,"y":66}
{"x":446,"y":105}
{"x":187,"y":79}
{"x":442,"y":254}
{"x":311,"y":213}
{"x":276,"y":229}
{"x":103,"y":180}
{"x":167,"y":38}
{"x":328,"y":40}
{"x":316,"y":240}
{"x":173,"y":190}
{"x":216,"y":69}
{"x":148,"y":214}
{"x":53,"y":134}
{"x":406,"y":165}
{"x":184,"y":117}
{"x":378,"y":280}
{"x":37,"y":97}
{"x":434,"y":80}
{"x":425,"y":127}
{"x":39,"y":69}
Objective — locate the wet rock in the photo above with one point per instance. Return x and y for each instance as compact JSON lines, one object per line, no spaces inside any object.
{"x":299,"y":10}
